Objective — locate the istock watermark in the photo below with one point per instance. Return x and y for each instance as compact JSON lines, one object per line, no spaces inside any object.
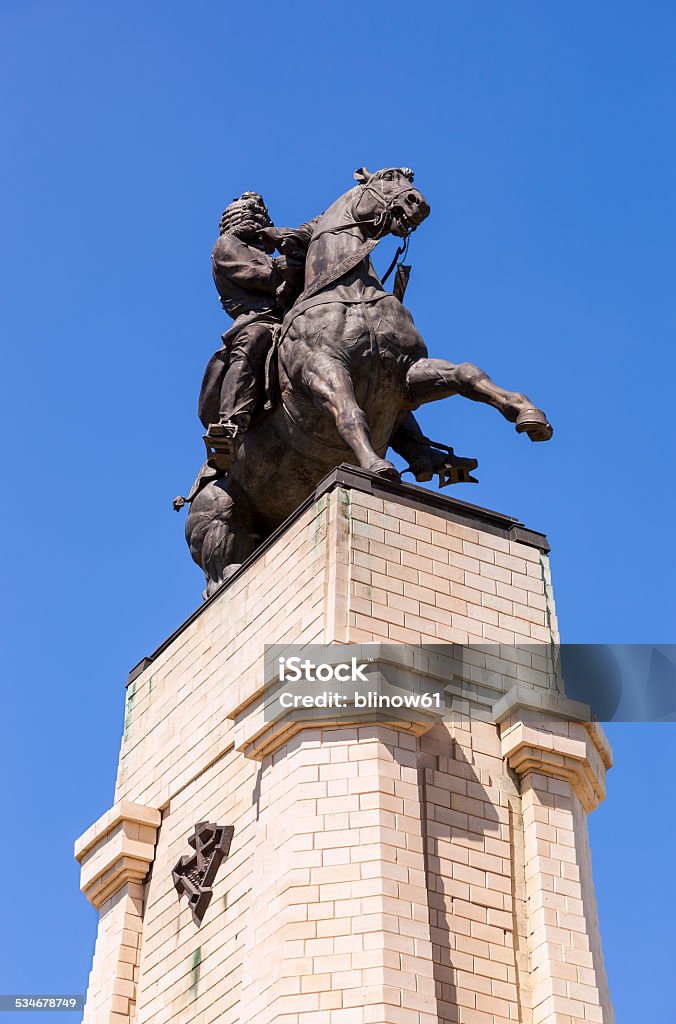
{"x":419,"y":684}
{"x":351,"y":683}
{"x":303,"y":671}
{"x":293,"y":670}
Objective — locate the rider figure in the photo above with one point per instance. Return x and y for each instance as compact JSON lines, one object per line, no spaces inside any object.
{"x":255,"y":289}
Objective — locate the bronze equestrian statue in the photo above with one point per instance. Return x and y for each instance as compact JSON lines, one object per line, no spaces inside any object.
{"x":351,"y":369}
{"x":256,"y":289}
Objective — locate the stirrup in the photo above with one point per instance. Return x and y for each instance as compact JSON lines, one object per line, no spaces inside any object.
{"x":221,"y":444}
{"x":455,"y":469}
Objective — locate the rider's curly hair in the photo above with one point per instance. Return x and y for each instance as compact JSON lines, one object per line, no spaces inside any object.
{"x":248,"y":210}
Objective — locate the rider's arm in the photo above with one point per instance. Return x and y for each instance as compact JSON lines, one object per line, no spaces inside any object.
{"x":303,"y":233}
{"x":244,"y":265}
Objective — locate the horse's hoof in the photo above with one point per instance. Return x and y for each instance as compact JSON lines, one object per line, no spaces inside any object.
{"x":230,"y":570}
{"x":533,"y":422}
{"x":381,"y":467}
{"x":214,"y":585}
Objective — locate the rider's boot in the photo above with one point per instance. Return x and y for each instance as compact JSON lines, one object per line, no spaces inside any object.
{"x":423,"y":466}
{"x":222,"y":441}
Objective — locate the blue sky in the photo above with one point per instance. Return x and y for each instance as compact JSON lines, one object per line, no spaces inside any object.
{"x":542,"y":136}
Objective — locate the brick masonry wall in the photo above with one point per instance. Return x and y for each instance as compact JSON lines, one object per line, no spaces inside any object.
{"x":177,"y":711}
{"x":418,"y":578}
{"x":374,"y":875}
{"x":476,"y":897}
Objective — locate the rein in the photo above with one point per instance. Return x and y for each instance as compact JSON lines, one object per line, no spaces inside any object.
{"x":399,"y":257}
{"x":340,"y":269}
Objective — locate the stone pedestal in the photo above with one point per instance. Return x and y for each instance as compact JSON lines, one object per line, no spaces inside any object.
{"x":404,"y":871}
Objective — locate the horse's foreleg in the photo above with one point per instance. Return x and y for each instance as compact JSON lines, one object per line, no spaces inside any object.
{"x":330,"y":386}
{"x":431,"y":379}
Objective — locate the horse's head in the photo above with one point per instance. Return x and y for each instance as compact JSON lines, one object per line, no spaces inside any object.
{"x":388,"y":203}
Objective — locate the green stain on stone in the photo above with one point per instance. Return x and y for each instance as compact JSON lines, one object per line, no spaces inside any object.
{"x":195,"y":969}
{"x":345,"y":499}
{"x":319,"y":520}
{"x":345,"y":506}
{"x":548,"y":592}
{"x":129,"y":707}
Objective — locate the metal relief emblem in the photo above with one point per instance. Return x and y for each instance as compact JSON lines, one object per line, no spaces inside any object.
{"x":195,"y":874}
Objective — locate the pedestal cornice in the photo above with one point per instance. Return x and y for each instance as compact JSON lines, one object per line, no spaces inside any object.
{"x":552,"y":735}
{"x":117,"y":849}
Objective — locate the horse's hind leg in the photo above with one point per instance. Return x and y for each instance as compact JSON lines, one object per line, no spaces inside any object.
{"x":218,"y":536}
{"x":431,"y":379}
{"x":330,"y":386}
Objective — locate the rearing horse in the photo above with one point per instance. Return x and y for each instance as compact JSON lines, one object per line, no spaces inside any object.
{"x":352,"y":367}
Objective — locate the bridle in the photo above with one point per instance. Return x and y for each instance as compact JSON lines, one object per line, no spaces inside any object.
{"x":355,"y":222}
{"x":389,"y":205}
